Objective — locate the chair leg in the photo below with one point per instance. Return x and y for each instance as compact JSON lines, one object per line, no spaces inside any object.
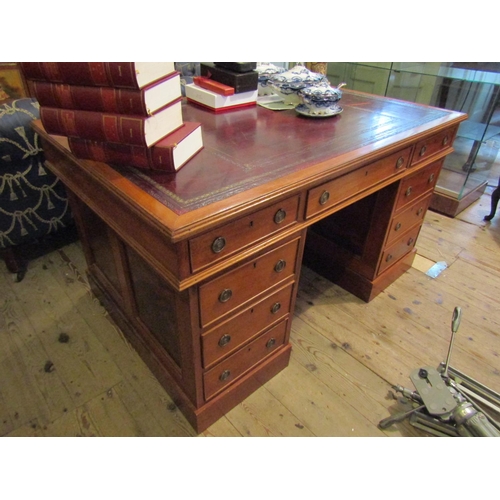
{"x":14,"y":263}
{"x":495,"y":196}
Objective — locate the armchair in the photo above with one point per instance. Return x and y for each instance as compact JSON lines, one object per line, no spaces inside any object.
{"x":33,"y":202}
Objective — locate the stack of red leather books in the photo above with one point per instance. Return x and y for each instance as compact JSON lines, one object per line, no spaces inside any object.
{"x":122,"y":113}
{"x":224,"y":86}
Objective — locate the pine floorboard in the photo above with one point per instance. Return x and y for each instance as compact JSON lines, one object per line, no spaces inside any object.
{"x":346,"y":354}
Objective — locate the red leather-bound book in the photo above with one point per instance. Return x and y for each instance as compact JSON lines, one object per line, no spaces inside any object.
{"x":144,"y":102}
{"x":169,"y":154}
{"x":131,"y":75}
{"x":111,"y":127}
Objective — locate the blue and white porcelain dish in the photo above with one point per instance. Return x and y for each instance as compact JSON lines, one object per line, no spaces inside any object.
{"x":320,"y":93}
{"x":288,"y":83}
{"x":266,"y":71}
{"x":333,"y":110}
{"x":320,"y":98}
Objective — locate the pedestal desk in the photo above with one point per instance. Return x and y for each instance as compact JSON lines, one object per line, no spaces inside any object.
{"x":200,"y":268}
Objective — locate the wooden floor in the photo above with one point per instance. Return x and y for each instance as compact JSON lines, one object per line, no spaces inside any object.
{"x":66,"y":370}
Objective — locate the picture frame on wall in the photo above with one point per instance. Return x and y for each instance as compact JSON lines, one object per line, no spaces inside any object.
{"x":12,"y":84}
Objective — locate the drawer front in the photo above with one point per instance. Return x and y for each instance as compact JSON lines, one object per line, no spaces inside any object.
{"x":230,"y":238}
{"x":228,"y":337}
{"x":223,"y":294}
{"x":241,"y":361}
{"x":399,"y":248}
{"x":425,"y":148}
{"x":331,"y":193}
{"x":417,"y":184}
{"x":412,"y":215}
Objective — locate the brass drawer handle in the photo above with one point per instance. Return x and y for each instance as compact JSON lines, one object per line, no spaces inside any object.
{"x":408,"y":191}
{"x":271,"y":342}
{"x":410,"y":241}
{"x":388,"y":258}
{"x":280,"y":265}
{"x":224,"y":375}
{"x":225,"y":295}
{"x":419,"y":211}
{"x":445,"y":140}
{"x":224,"y":340}
{"x":400,"y":162}
{"x":218,"y":244}
{"x":431,"y":178}
{"x":279,"y":216}
{"x":275,"y":308}
{"x":423,"y":149}
{"x":325,"y":196}
{"x":398,"y":226}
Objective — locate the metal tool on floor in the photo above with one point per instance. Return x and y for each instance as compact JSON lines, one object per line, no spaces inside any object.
{"x":448,"y":402}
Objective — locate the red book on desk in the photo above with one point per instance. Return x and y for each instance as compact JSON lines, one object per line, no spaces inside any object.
{"x":109,"y":127}
{"x":143,"y":102}
{"x":169,"y":154}
{"x":130,"y":75}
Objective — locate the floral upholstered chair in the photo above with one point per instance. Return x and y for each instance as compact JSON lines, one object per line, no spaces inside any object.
{"x":33,"y":202}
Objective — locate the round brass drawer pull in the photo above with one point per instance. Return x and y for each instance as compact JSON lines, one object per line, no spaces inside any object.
{"x":400,"y":162}
{"x":410,"y":241}
{"x":280,"y":265}
{"x":275,"y":308}
{"x":225,"y":295}
{"x":398,"y":226}
{"x":271,"y":342}
{"x":224,"y":340}
{"x":218,"y":244}
{"x":279,"y":216}
{"x":325,"y":196}
{"x":408,"y":191}
{"x":224,"y":375}
{"x":419,"y":211}
{"x":388,"y":258}
{"x":445,"y":140}
{"x":423,"y":150}
{"x":431,"y":178}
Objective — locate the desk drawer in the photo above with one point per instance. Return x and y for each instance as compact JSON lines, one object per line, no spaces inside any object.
{"x":407,"y":218}
{"x":331,"y":193}
{"x":241,"y":361}
{"x":228,"y":337}
{"x":228,"y":239}
{"x":399,"y":248}
{"x":234,"y":288}
{"x":416,"y":185}
{"x":425,"y":148}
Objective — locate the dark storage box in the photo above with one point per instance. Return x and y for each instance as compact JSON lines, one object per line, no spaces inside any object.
{"x":239,"y":67}
{"x":241,"y":82}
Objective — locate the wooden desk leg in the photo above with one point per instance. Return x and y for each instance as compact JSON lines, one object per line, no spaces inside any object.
{"x":15,"y":264}
{"x":495,"y":196}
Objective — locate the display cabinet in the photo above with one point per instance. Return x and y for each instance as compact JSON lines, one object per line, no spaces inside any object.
{"x":472,"y":88}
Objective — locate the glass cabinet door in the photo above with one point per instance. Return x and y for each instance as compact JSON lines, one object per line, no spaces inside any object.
{"x":472,"y":88}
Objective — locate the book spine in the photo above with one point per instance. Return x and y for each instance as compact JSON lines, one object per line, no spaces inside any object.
{"x":109,"y":74}
{"x":151,"y":158}
{"x":163,"y":158}
{"x":88,"y":98}
{"x":96,"y":126}
{"x":122,"y":154}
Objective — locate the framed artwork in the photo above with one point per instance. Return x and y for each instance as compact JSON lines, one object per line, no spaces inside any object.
{"x":12,"y":85}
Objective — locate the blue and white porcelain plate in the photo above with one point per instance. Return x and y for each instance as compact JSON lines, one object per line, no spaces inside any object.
{"x":334,"y":110}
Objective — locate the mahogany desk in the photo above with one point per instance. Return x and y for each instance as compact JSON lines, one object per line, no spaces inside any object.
{"x":200,"y":268}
